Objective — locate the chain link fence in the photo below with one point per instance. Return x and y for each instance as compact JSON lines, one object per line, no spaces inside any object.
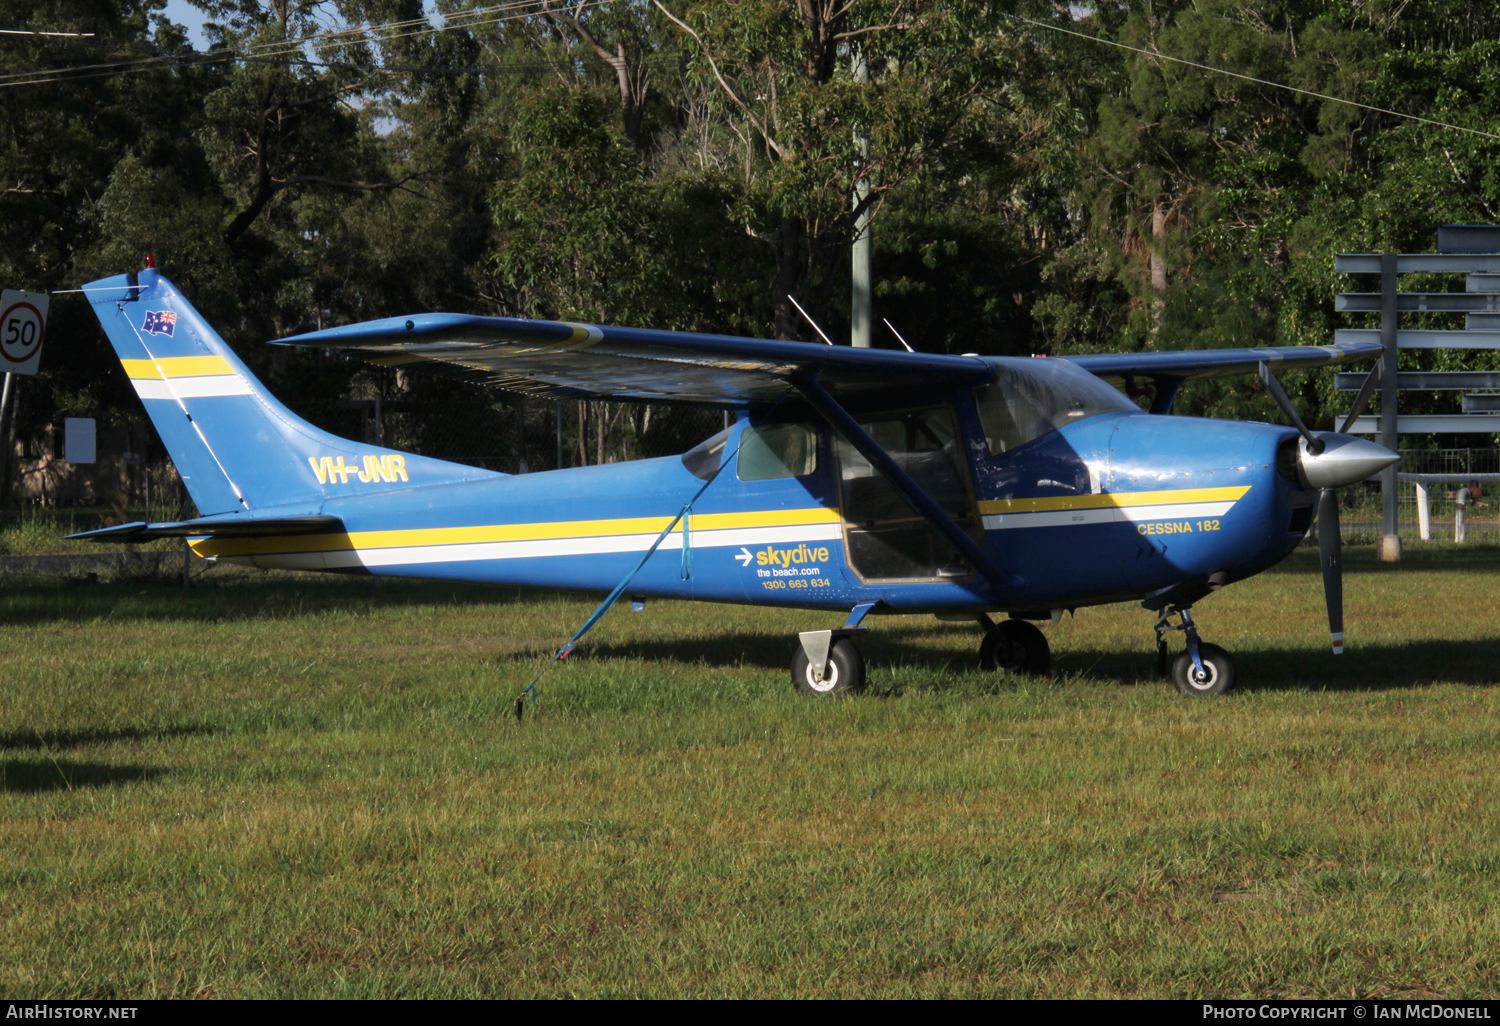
{"x":517,"y":435}
{"x":1361,"y":502}
{"x":132,"y":475}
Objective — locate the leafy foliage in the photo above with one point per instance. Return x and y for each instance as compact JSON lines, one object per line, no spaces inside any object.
{"x":694,"y":164}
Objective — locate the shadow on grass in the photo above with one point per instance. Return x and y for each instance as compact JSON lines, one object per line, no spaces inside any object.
{"x":889,"y":644}
{"x":31,"y":740}
{"x":39,"y":776}
{"x":1366,"y":668}
{"x":731,"y":648}
{"x":250,"y":599}
{"x":1373,"y":667}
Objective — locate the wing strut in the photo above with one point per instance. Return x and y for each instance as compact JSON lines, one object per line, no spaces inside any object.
{"x":870,"y":449}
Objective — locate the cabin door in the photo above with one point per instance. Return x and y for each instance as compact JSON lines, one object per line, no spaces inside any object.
{"x":884,"y":536}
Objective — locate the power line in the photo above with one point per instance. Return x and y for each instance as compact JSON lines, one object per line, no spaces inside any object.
{"x":291,"y":49}
{"x":1250,"y":78}
{"x":275,"y":48}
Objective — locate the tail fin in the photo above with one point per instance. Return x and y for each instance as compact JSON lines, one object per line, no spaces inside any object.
{"x":236,"y":447}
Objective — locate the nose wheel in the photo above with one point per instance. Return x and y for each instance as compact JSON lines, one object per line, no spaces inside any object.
{"x":1215,"y":677}
{"x":1203,"y":669}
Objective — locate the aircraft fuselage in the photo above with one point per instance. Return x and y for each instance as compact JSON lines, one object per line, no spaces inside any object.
{"x":1114,"y":507}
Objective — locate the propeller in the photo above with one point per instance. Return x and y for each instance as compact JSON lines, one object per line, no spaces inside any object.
{"x":1327,"y":460}
{"x":1330,"y":554}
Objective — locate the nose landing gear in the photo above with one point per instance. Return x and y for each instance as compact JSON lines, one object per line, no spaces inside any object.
{"x":1203,"y":669}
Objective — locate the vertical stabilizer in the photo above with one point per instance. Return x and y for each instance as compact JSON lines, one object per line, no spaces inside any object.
{"x":236,"y":447}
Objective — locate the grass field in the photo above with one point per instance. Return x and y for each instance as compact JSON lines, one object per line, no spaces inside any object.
{"x":311,"y":786}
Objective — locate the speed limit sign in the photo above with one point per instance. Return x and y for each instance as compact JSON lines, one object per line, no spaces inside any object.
{"x":23,"y":327}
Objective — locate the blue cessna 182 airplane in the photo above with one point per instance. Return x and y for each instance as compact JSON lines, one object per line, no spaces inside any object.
{"x":857,"y":480}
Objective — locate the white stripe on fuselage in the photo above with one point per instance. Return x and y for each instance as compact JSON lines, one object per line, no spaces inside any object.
{"x":545,"y":548}
{"x":1108,"y":515}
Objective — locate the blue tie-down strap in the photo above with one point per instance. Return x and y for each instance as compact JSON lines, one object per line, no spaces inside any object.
{"x":687,"y":570}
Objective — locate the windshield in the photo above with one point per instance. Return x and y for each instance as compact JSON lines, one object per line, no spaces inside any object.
{"x":1029,"y":398}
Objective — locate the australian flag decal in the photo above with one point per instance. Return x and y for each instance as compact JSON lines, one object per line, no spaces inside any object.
{"x":159,"y":322}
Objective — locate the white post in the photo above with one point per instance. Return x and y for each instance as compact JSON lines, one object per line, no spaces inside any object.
{"x":5,"y":445}
{"x":1458,"y":514}
{"x":1424,"y":512}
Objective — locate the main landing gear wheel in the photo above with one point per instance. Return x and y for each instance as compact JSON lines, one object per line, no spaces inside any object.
{"x":1217,"y":676}
{"x":1015,"y":646}
{"x":845,"y":672}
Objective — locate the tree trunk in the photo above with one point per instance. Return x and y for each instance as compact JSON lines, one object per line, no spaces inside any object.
{"x":1158,"y":243}
{"x":788,"y":263}
{"x":520,"y":415}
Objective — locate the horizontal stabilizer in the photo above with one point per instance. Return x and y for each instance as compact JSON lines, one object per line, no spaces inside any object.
{"x":213,"y":527}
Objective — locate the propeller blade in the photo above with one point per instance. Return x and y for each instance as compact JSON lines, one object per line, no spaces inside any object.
{"x":1330,"y":546}
{"x":1314,"y":444}
{"x":1363,"y":397}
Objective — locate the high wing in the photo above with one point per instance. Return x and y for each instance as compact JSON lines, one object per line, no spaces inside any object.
{"x":1185,"y":365}
{"x":561,"y":360}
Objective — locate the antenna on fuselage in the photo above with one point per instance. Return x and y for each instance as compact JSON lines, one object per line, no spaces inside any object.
{"x":809,"y":319}
{"x":888,"y":324}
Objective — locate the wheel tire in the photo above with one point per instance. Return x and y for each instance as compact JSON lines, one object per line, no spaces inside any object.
{"x":1217,"y":665}
{"x":845,"y":673}
{"x":1015,"y":646}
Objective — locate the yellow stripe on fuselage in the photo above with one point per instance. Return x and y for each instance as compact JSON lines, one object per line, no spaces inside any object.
{"x":177,"y":367}
{"x":1113,"y":500}
{"x":508,"y":532}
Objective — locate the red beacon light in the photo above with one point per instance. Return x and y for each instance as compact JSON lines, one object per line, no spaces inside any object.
{"x":150,"y":260}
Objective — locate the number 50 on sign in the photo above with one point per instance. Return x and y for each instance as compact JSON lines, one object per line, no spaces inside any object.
{"x":23,"y":327}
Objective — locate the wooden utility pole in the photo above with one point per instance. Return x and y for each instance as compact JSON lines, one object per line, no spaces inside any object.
{"x":860,"y":316}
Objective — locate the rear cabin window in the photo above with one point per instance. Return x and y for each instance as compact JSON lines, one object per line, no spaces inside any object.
{"x":778,"y":450}
{"x":703,"y":459}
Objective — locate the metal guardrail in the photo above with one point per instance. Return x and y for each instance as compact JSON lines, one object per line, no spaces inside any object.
{"x":1420,"y":338}
{"x":1427,"y":381}
{"x":1421,"y":302}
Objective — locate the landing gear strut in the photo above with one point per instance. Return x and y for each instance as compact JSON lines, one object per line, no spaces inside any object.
{"x":1204,"y":669}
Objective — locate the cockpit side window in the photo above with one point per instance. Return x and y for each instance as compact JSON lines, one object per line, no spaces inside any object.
{"x":1024,"y":402}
